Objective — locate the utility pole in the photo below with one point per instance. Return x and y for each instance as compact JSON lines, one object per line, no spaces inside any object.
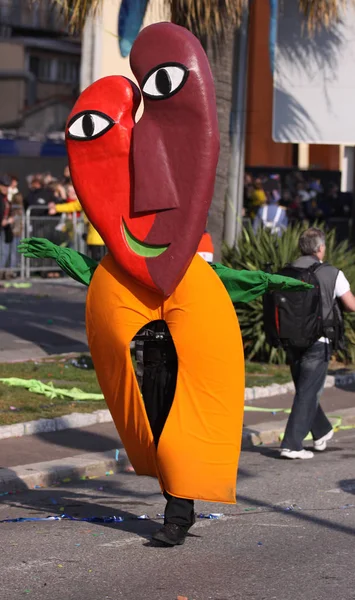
{"x":235,"y":192}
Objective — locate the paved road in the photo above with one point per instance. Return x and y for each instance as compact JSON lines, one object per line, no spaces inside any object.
{"x":45,"y":319}
{"x":260,"y":550}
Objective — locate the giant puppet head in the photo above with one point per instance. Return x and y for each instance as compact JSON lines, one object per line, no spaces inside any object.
{"x":147,"y":187}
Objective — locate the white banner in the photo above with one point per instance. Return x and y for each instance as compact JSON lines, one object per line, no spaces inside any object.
{"x":314,"y":80}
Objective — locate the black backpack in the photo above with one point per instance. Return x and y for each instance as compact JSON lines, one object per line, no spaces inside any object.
{"x":295,"y":319}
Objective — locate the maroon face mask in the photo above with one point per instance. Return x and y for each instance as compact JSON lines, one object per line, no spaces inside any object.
{"x":154,"y":223}
{"x":175,"y":145}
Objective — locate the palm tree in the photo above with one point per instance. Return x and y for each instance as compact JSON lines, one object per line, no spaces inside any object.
{"x":222,"y":27}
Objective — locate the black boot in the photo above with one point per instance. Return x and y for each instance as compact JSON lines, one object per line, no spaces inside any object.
{"x":179,"y":517}
{"x":172,"y":534}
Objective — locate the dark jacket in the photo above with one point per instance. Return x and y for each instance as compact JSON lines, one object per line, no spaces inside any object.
{"x":40,"y":197}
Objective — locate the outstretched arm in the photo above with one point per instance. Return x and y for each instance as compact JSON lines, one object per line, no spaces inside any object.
{"x":76,"y":265}
{"x":245,"y":286}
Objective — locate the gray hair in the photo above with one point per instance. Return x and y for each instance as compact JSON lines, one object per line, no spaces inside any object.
{"x":310,"y":241}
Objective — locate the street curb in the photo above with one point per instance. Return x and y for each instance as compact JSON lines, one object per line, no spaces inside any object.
{"x":78,"y":420}
{"x":72,"y":421}
{"x":65,"y":470}
{"x":269,"y":432}
{"x":91,"y":465}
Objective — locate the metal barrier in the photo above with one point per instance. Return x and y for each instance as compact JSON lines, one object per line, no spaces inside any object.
{"x":11,"y":262}
{"x":64,"y":229}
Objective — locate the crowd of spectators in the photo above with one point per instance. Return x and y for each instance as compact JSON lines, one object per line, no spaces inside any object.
{"x":269,"y":200}
{"x":304,"y":198}
{"x":42,"y":194}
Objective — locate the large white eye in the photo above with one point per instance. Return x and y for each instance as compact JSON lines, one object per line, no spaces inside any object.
{"x":89,"y":125}
{"x":164,"y":80}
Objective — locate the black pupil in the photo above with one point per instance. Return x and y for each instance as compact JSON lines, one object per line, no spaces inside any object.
{"x":163,"y":82}
{"x":88,"y":125}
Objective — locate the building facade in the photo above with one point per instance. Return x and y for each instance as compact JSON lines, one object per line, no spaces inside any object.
{"x":39,"y":67}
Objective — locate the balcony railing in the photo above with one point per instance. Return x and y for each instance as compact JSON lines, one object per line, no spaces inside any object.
{"x":41,"y":15}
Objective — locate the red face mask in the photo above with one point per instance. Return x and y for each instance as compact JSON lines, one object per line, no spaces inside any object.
{"x":147,"y":187}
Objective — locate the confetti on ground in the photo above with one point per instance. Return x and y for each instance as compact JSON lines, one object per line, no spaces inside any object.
{"x":117,"y":455}
{"x":110,"y":519}
{"x":109,"y":473}
{"x":260,"y":543}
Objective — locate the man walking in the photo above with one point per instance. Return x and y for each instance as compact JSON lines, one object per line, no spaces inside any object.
{"x":309,"y":365}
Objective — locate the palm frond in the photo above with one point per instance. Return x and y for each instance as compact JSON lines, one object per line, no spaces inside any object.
{"x":322,"y":13}
{"x":206,"y":18}
{"x":209,"y":18}
{"x":76,"y":11}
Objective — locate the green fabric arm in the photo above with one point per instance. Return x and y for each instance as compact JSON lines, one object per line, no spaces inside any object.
{"x":76,"y":265}
{"x":245,"y":286}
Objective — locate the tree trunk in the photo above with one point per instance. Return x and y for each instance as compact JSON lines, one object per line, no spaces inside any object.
{"x":221,"y":56}
{"x":221,"y":60}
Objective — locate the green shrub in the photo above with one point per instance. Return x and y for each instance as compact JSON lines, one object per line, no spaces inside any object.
{"x":254,"y":252}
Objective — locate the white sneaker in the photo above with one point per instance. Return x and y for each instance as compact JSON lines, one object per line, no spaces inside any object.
{"x":303,"y":454}
{"x":321,"y":444}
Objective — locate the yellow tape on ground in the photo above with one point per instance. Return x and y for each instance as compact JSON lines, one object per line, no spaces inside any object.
{"x":337,"y":425}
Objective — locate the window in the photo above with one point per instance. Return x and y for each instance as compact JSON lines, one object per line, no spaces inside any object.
{"x":68,"y":71}
{"x":45,"y":69}
{"x":41,"y":67}
{"x":55,"y":70}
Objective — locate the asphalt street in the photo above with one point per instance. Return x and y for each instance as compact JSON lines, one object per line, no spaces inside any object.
{"x":44,"y":319}
{"x":291,"y":537}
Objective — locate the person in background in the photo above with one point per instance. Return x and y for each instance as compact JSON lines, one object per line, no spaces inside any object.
{"x":38,"y":199}
{"x":66,"y":176}
{"x":94,"y":241}
{"x":58,"y":190}
{"x":257,"y":198}
{"x":47,"y":179}
{"x":329,"y":205}
{"x":9,"y":256}
{"x":39,"y":196}
{"x":272,"y":216}
{"x":5,"y":229}
{"x":13,"y":188}
{"x":5,"y":182}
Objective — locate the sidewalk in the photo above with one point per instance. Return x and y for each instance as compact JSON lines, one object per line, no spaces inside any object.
{"x":90,"y":451}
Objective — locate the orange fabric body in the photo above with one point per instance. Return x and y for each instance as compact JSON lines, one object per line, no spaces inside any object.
{"x":198,"y":451}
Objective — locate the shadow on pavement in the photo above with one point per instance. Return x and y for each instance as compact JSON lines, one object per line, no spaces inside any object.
{"x":80,"y":439}
{"x":300,"y":516}
{"x":52,"y":323}
{"x":347,"y":485}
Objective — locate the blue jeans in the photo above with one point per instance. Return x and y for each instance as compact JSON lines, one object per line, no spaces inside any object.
{"x":9,"y":256}
{"x":309,"y":370}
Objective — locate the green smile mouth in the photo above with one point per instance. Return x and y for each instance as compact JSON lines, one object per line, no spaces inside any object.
{"x":141,"y":248}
